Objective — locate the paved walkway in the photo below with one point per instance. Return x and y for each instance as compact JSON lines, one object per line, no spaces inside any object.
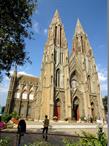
{"x":68,"y":128}
{"x":53,"y":139}
{"x":57,"y":132}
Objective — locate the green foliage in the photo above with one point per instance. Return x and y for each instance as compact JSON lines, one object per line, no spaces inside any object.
{"x":4,"y":141}
{"x":88,"y":140}
{"x":15,"y":115}
{"x":15,"y":26}
{"x":6,"y":117}
{"x":102,"y":137}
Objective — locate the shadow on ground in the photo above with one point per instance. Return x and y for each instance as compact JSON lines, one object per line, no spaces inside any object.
{"x":54,"y":139}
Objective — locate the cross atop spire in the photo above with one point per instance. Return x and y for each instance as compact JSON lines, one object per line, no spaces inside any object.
{"x":56,"y":18}
{"x":79,"y":28}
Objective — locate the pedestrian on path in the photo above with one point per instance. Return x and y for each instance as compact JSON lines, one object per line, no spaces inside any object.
{"x":45,"y":129}
{"x":21,"y":130}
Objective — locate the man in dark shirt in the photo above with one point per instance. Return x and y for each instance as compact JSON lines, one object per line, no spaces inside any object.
{"x":45,"y":129}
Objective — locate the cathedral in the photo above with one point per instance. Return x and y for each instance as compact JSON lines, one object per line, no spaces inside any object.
{"x":68,"y":87}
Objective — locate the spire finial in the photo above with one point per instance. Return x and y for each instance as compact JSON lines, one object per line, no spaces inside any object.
{"x":56,"y":13}
{"x":56,"y":18}
{"x":79,"y":28}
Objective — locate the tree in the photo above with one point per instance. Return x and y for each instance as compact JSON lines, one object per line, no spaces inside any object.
{"x":15,"y":24}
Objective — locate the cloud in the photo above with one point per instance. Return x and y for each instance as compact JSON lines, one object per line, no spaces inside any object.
{"x":36,"y":27}
{"x":36,"y":11}
{"x":39,"y":29}
{"x":4,"y":85}
{"x":4,"y":88}
{"x":102,"y":75}
{"x":45,"y":31}
{"x":21,"y":73}
{"x":24,"y":73}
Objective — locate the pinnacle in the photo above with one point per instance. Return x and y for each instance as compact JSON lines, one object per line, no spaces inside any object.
{"x":56,"y":18}
{"x":56,"y":14}
{"x":79,"y":28}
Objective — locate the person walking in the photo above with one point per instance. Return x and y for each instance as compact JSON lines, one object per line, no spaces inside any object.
{"x":45,"y":129}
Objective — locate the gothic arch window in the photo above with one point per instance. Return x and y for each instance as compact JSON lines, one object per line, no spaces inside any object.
{"x":17,"y":94}
{"x":24,"y":95}
{"x":55,"y":56}
{"x":73,"y":81}
{"x":61,"y":57}
{"x":82,"y":43}
{"x":73,"y":84}
{"x":58,"y":78}
{"x":66,"y":59}
{"x":31,"y":96}
{"x":89,"y":84}
{"x":75,"y":110}
{"x":76,"y":101}
{"x":60,"y":35}
{"x":55,"y":34}
{"x":92,"y":109}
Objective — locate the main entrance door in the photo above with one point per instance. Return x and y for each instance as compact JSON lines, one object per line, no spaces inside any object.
{"x":75,"y":109}
{"x":57,"y":109}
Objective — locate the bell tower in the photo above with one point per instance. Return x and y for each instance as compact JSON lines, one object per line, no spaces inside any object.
{"x":83,"y":75}
{"x":55,"y":73}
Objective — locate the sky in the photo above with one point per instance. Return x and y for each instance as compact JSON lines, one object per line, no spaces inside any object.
{"x":93,"y":17}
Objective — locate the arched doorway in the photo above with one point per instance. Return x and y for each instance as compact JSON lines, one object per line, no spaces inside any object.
{"x":57,"y":108}
{"x":75,"y":110}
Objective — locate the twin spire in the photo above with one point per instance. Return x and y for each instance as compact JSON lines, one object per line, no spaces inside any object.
{"x":56,"y":19}
{"x":79,"y":28}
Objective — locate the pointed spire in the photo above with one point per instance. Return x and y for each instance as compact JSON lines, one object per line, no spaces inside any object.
{"x":56,"y":14}
{"x":79,"y":28}
{"x":56,"y":18}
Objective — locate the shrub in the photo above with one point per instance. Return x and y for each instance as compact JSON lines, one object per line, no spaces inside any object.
{"x":102,"y":136}
{"x":4,"y":141}
{"x":15,"y":115}
{"x":6,"y":117}
{"x":89,"y":140}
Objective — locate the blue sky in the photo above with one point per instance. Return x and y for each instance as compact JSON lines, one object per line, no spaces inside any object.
{"x":93,"y":17}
